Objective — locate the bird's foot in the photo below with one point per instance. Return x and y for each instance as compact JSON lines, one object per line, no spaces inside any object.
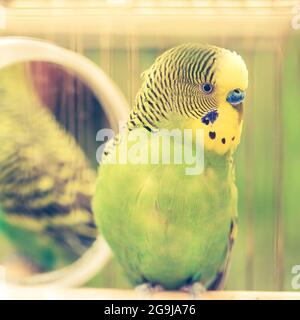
{"x":195,"y":290}
{"x":148,"y":288}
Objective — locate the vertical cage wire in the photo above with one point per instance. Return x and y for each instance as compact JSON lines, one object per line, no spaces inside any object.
{"x":278,"y":189}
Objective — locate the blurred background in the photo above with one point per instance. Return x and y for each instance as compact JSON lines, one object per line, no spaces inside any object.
{"x":124,"y":37}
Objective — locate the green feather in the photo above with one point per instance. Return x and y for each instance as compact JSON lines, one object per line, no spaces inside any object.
{"x":154,"y":218}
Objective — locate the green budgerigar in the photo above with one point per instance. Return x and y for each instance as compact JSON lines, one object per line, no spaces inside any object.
{"x":165,"y":226}
{"x":46,"y":182}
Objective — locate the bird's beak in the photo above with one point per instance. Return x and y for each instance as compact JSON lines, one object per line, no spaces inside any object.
{"x":235,"y":97}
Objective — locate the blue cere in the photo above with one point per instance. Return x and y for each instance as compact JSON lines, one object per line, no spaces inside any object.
{"x":236,"y":96}
{"x":210,"y":117}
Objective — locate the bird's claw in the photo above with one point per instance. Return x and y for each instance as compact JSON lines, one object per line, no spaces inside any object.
{"x":147,"y":289}
{"x":195,"y":289}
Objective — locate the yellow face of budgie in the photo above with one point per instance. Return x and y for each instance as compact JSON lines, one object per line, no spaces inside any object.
{"x":222,"y":127}
{"x":195,"y":86}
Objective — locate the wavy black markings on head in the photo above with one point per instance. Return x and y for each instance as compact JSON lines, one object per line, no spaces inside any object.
{"x":173,"y":84}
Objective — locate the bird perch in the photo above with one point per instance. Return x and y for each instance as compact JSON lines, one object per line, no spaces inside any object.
{"x":22,"y":293}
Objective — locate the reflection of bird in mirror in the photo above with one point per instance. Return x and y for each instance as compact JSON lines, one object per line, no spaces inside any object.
{"x":46,"y":182}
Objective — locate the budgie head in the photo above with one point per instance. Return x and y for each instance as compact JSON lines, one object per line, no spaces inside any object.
{"x":195,"y":86}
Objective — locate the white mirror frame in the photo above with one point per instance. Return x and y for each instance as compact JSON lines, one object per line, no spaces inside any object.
{"x":20,"y":49}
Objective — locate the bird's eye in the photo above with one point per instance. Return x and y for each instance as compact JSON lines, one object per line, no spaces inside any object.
{"x":207,"y":88}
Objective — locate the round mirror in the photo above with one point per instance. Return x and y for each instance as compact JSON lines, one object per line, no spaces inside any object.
{"x":52,"y":107}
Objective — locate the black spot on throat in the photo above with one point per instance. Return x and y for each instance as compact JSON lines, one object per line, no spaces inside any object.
{"x":223,"y":140}
{"x":212,"y":134}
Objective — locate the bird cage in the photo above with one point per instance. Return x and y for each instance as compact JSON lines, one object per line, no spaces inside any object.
{"x":123,"y":37}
